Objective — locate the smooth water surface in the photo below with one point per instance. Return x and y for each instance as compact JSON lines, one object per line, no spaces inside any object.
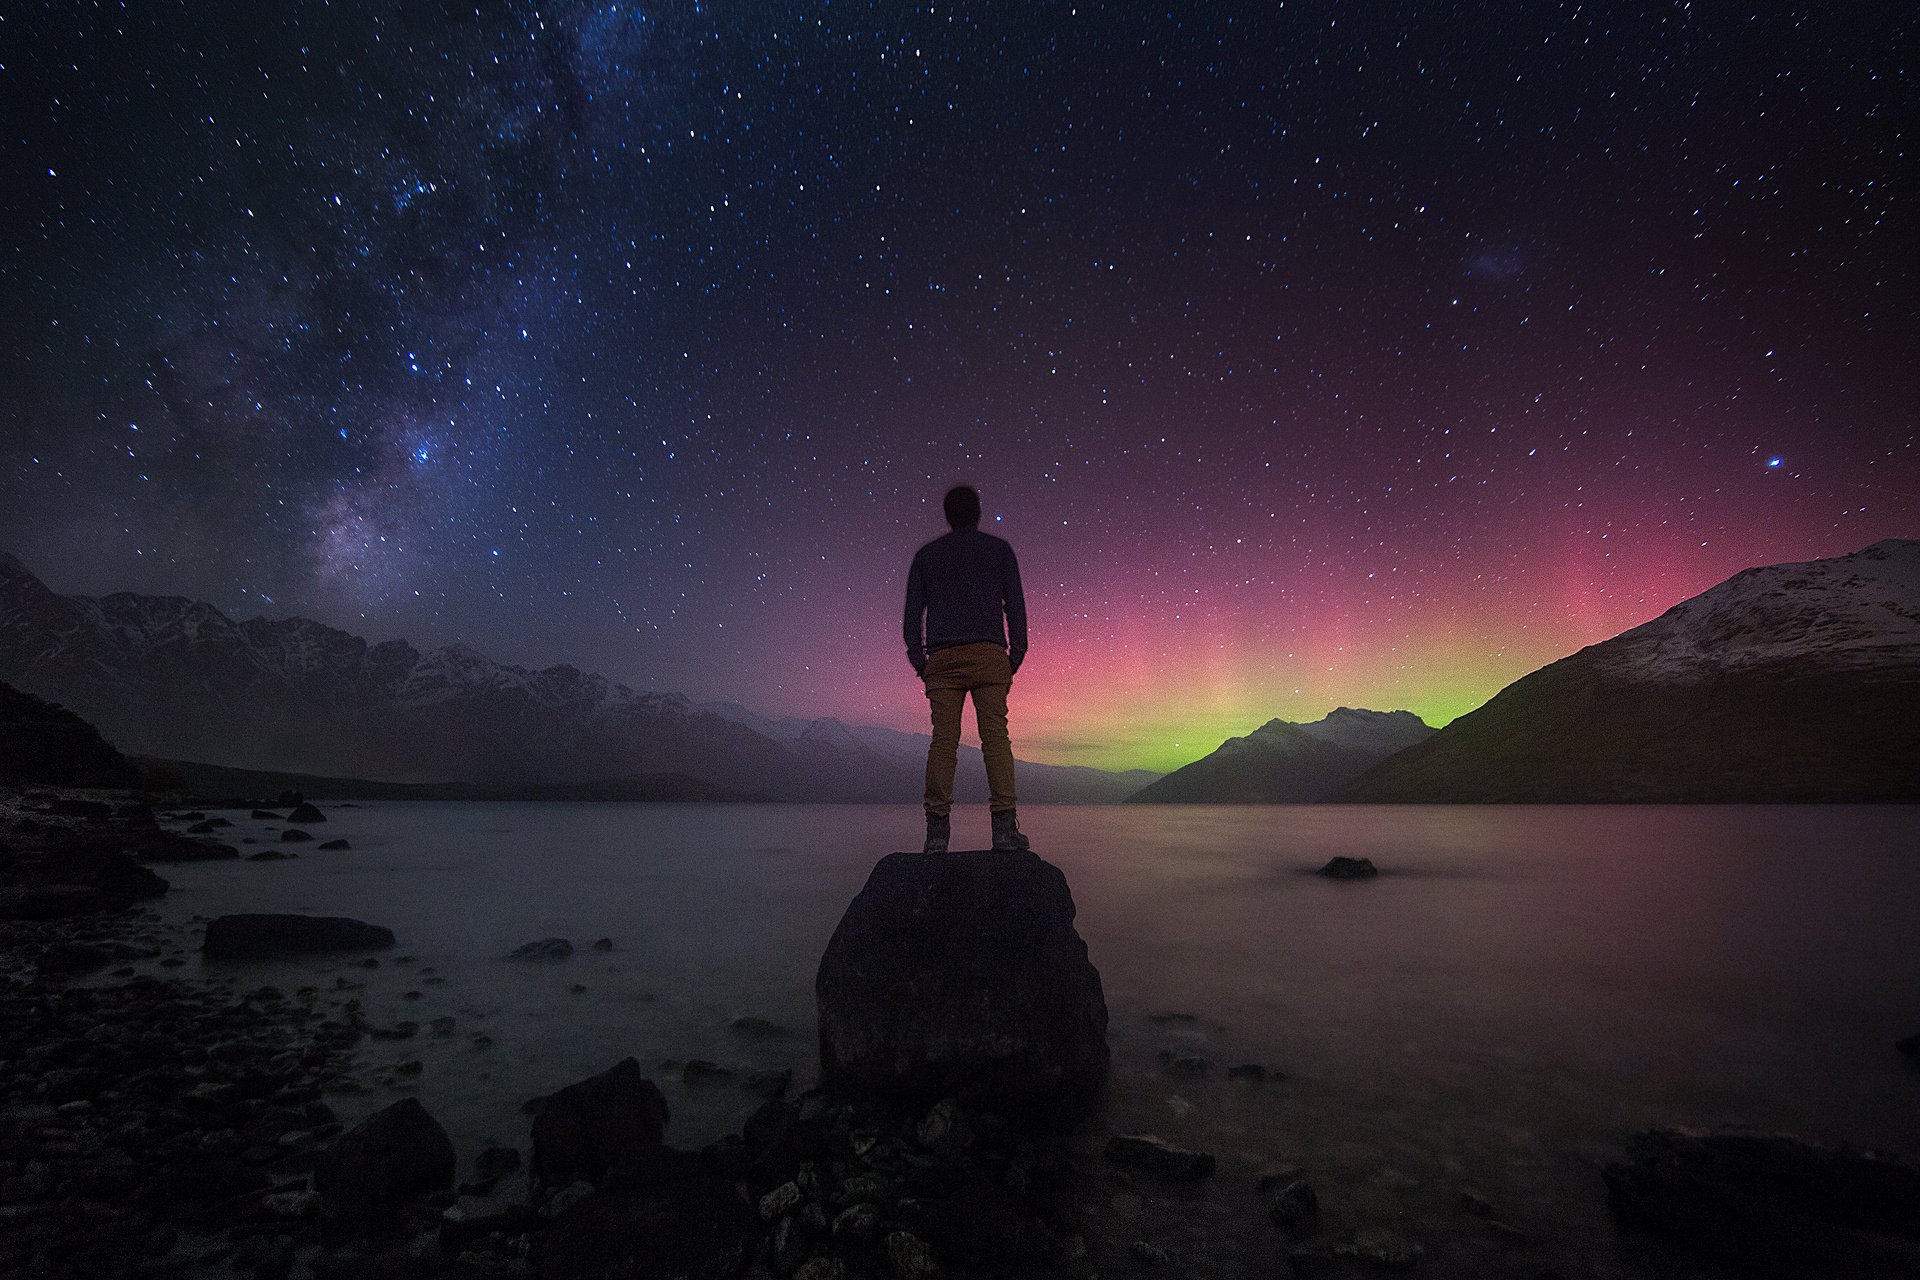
{"x":1520,"y":989}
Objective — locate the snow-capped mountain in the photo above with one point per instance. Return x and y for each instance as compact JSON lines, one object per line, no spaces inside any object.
{"x":175,"y":678}
{"x":1788,"y":682}
{"x":1286,"y":763}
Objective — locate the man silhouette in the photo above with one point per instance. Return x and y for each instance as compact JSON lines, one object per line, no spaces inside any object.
{"x":967,"y":586}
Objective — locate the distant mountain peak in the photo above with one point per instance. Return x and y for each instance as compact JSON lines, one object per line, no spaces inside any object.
{"x":1282,"y":762}
{"x":1786,"y":682}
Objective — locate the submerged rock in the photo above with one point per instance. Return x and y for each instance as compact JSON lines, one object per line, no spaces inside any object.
{"x":335,"y":844}
{"x":586,"y":1128}
{"x":251,"y":937}
{"x":1774,"y":1203}
{"x":1341,"y":868}
{"x":1144,"y":1151}
{"x":375,"y":1168}
{"x":544,"y":949}
{"x":962,"y":975}
{"x":294,"y":835}
{"x":1295,"y":1208}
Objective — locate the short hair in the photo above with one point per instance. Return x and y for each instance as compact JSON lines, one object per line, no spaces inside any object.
{"x":963,"y":506}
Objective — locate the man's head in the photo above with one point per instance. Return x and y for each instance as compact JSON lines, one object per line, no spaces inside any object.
{"x":963,"y":506}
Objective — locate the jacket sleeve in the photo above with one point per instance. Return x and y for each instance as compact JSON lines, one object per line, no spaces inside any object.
{"x":911,"y":628}
{"x":1014,"y":600}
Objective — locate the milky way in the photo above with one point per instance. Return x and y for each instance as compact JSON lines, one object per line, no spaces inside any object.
{"x":1308,"y":354}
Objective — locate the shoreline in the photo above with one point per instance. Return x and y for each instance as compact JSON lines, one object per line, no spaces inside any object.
{"x":1210,"y":1228}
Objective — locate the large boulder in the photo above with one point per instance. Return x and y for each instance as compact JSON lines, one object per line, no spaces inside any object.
{"x":961,"y":975}
{"x":1774,"y":1204}
{"x":376,"y":1168}
{"x":257,"y":936}
{"x":587,"y":1128}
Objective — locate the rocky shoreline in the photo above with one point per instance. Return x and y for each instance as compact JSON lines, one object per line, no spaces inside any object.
{"x":153,"y":1125}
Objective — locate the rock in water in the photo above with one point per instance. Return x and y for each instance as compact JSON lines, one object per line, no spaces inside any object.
{"x":382,"y":1163}
{"x":251,"y":937}
{"x":1349,"y":869}
{"x":586,"y":1128}
{"x":1774,"y":1203}
{"x":962,"y":975}
{"x":306,"y":813}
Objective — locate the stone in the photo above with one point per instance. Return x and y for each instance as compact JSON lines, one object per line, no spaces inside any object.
{"x":857,"y":1222}
{"x":587,"y":1127}
{"x":821,"y":1269}
{"x":254,"y":936}
{"x":472,"y":1217}
{"x":332,"y":845}
{"x":671,"y":1218}
{"x":1184,"y":1067}
{"x":1144,"y":1151}
{"x":376,"y":1168}
{"x":1341,"y":868}
{"x":787,"y":1244}
{"x":944,"y":1130}
{"x":271,"y":855}
{"x":306,"y":814}
{"x":294,"y":835}
{"x":1772,"y":1202}
{"x":603,"y":944}
{"x":909,"y":1255}
{"x":700,"y":1071}
{"x":780,"y":1201}
{"x":1379,"y":1249}
{"x":1295,"y":1209}
{"x":962,"y":975}
{"x":544,"y":949}
{"x":491,"y":1165}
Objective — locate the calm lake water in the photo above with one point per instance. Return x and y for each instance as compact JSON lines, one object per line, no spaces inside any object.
{"x":1519,"y":990}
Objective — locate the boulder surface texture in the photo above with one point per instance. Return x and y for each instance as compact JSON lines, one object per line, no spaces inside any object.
{"x":961,"y":975}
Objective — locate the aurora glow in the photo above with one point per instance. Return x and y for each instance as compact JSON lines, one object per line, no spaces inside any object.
{"x":1307,"y":355}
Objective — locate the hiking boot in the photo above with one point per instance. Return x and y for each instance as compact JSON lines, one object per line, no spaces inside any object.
{"x":1006,"y":833}
{"x":939,"y":831}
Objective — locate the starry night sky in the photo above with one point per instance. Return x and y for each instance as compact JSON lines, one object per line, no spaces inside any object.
{"x":1309,"y":354}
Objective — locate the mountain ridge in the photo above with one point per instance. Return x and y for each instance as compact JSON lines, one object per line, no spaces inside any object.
{"x":1795,"y":682}
{"x":1283,"y":762}
{"x":175,"y":678}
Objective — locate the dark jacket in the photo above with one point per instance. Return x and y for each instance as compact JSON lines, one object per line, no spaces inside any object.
{"x":968,"y":586}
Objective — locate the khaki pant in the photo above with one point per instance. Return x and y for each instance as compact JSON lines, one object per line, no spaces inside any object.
{"x":984,"y":671}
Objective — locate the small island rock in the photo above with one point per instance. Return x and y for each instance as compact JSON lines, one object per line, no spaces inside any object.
{"x":306,"y":813}
{"x":253,"y":936}
{"x":1341,"y":868}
